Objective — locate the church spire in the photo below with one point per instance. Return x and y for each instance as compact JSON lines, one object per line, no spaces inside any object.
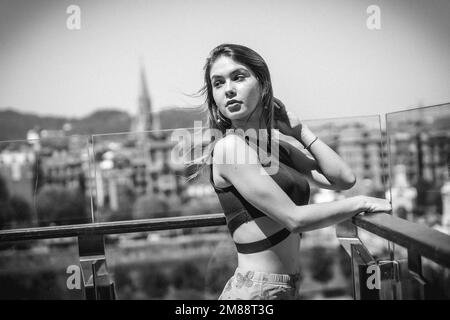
{"x":144,"y":90}
{"x":144,"y":117}
{"x":145,"y":105}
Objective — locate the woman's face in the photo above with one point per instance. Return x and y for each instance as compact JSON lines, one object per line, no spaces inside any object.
{"x":236,"y":90}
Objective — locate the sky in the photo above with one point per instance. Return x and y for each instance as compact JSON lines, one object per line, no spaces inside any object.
{"x":324,"y":60}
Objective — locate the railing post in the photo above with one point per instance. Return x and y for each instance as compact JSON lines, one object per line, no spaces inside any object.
{"x":390,"y":279}
{"x":361,"y":262}
{"x":347,"y":234}
{"x":372,"y":280}
{"x":417,"y":284}
{"x":96,"y":280}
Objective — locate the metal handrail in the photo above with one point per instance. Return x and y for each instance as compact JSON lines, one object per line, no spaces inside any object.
{"x":425,"y":241}
{"x":421,"y":239}
{"x":115,"y":227}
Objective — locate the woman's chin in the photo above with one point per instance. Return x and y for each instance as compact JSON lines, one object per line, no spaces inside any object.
{"x":237,"y":117}
{"x":240,"y":114}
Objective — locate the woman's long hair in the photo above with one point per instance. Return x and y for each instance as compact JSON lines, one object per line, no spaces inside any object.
{"x":217,"y":120}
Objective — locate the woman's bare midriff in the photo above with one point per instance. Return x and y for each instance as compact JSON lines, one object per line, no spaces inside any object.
{"x":282,"y":258}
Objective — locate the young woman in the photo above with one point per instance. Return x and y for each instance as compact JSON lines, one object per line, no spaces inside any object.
{"x":267,"y":213}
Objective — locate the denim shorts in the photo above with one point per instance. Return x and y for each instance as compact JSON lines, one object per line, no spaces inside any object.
{"x":254,"y":285}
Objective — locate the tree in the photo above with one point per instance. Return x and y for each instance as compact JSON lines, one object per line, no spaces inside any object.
{"x":321,"y":264}
{"x":153,"y":281}
{"x":197,"y":206}
{"x":188,"y":275}
{"x":23,"y":214}
{"x":150,"y":206}
{"x":56,"y":205}
{"x":4,"y":192}
{"x":5,"y":208}
{"x":220,"y":267}
{"x":428,"y":195}
{"x":6,"y":215}
{"x":15,"y":211}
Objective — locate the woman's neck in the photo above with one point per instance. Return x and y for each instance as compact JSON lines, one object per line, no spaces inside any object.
{"x":253,"y":127}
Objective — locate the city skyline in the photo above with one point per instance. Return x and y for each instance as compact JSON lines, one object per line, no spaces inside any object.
{"x":324,"y":51}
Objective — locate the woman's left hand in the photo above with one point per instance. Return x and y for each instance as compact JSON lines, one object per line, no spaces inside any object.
{"x":285,"y":121}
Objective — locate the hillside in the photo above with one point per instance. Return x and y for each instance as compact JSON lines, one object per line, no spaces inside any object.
{"x":172,"y":118}
{"x":14,"y":125}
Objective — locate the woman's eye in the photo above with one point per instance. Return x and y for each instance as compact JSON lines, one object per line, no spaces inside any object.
{"x":216,"y":84}
{"x":240,"y":77}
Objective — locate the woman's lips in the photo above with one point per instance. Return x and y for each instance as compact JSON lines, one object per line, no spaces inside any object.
{"x":234,"y":107}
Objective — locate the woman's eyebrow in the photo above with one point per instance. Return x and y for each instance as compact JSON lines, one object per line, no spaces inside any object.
{"x":215,"y":76}
{"x":243,"y":70}
{"x":240,"y":70}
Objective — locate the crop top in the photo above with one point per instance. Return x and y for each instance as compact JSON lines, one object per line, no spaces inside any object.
{"x":238,"y":210}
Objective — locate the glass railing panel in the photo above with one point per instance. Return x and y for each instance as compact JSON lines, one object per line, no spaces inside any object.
{"x":325,"y":267}
{"x":359,"y":141}
{"x":45,"y":181}
{"x":197,"y":263}
{"x":142,"y":175}
{"x":438,"y":280}
{"x":171,"y":264}
{"x":377,"y":246}
{"x":419,"y":149}
{"x":40,"y":269}
{"x":435,"y":276}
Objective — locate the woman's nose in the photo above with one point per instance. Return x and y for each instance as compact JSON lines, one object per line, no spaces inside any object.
{"x":230,"y":90}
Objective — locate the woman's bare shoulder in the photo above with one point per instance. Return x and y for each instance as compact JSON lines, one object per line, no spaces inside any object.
{"x":227,"y":147}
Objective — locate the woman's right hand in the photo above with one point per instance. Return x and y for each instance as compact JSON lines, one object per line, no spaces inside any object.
{"x":371,"y":204}
{"x":287,"y":122}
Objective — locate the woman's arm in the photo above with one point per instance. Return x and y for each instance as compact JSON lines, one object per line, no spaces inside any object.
{"x":306,"y":164}
{"x":333,"y":167}
{"x":322,"y":166}
{"x":336,"y":173}
{"x":258,"y":188}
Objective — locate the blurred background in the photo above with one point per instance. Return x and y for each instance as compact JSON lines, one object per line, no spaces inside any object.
{"x":88,"y":117}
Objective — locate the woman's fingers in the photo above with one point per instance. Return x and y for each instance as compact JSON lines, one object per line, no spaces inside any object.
{"x":293,"y":119}
{"x":377,"y":205}
{"x":279,"y":110}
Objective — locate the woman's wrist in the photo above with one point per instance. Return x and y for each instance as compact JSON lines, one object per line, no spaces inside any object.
{"x":360,"y":204}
